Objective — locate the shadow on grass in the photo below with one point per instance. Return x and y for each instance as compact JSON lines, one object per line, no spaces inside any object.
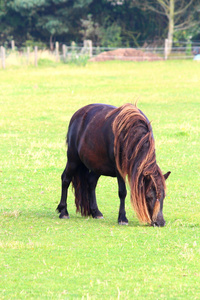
{"x":36,"y":214}
{"x":108,"y":220}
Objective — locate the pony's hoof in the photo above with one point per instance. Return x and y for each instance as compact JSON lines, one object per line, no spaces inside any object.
{"x":123,"y":223}
{"x":63,"y":217}
{"x":98,"y":217}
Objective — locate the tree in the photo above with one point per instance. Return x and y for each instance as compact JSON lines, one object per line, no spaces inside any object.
{"x":12,"y":24}
{"x":122,"y":24}
{"x":42,"y":19}
{"x":90,"y":30}
{"x":179,"y":14}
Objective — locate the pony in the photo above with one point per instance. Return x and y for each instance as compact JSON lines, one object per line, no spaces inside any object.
{"x":117,"y":142}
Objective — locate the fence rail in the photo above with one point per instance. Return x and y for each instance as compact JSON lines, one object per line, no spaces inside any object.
{"x":64,"y":53}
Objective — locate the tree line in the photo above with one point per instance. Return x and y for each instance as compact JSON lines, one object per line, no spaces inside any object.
{"x":108,"y":23}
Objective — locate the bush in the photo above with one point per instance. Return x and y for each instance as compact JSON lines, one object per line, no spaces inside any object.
{"x":32,"y":44}
{"x":45,"y":62}
{"x":110,"y":36}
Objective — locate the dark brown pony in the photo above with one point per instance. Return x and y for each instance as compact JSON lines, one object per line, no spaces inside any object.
{"x":117,"y":142}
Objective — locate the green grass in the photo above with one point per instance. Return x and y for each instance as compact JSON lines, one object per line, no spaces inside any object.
{"x":43,"y":257}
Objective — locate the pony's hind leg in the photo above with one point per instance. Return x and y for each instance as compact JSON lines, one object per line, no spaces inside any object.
{"x":66,"y":180}
{"x":92,"y":183}
{"x":122,"y":220}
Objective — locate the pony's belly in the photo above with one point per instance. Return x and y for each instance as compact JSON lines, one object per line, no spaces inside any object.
{"x":96,"y":154}
{"x":98,"y":163}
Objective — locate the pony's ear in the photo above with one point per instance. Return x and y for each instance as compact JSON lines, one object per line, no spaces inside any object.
{"x":167,"y":175}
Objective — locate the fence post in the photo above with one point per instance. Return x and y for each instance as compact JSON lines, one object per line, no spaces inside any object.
{"x":3,"y":57}
{"x":64,"y":49}
{"x":13,"y":45}
{"x":166,"y":48}
{"x":57,"y":51}
{"x":28,"y":55}
{"x":87,"y":44}
{"x":36,"y":56}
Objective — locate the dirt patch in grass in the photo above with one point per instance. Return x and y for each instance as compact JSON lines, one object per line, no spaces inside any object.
{"x":126,"y":54}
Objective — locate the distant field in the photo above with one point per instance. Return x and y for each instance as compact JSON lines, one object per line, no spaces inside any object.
{"x":43,"y":257}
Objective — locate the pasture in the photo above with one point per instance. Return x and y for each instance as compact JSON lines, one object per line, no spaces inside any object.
{"x":44,"y":257}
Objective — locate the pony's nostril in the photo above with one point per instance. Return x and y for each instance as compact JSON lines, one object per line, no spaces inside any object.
{"x":156,"y":224}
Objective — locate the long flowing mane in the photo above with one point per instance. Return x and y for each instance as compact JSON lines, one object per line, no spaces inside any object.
{"x":134,"y":150}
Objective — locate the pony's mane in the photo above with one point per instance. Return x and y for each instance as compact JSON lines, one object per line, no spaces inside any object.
{"x":134,"y":150}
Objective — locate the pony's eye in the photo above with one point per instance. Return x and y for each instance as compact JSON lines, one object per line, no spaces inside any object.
{"x":148,"y":199}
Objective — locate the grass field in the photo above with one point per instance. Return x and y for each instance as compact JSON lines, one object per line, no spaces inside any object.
{"x":43,"y":257}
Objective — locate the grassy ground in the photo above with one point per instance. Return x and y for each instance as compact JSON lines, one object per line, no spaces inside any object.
{"x":43,"y":257}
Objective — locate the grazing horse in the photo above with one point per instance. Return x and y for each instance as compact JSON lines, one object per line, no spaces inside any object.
{"x":118,"y":142}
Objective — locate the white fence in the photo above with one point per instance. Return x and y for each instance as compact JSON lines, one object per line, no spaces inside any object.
{"x":64,"y":53}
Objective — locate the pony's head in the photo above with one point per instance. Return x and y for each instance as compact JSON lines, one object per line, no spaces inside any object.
{"x":147,"y":195}
{"x":154,"y":196}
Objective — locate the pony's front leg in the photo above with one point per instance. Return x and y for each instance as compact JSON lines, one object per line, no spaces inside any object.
{"x":92,"y":183}
{"x":62,"y":207}
{"x":122,"y":220}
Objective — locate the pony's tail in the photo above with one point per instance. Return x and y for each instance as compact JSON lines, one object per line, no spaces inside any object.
{"x":80,"y":187}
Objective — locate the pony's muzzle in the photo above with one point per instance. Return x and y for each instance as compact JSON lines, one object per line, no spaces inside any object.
{"x":158,"y":224}
{"x":157,"y":218}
